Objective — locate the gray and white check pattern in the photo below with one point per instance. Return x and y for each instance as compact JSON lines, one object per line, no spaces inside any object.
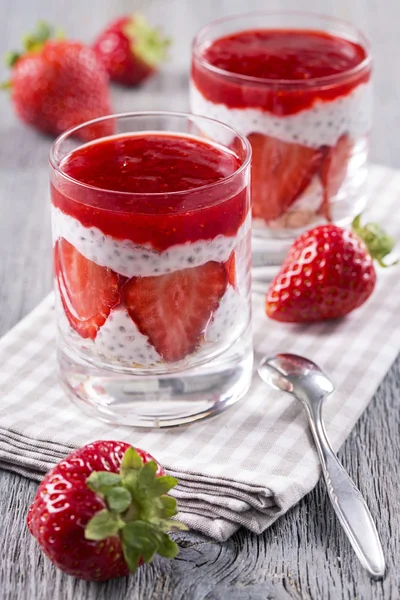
{"x":247,"y":466}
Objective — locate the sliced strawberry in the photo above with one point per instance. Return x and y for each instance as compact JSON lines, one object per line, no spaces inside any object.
{"x":230,"y":266}
{"x":173,"y":310}
{"x":334,"y":170}
{"x":281,"y":171}
{"x":88,"y":291}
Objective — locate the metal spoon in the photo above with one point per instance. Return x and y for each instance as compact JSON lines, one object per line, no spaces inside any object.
{"x":306,"y":382}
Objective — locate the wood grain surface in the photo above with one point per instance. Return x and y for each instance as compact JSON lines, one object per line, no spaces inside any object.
{"x":305,"y":554}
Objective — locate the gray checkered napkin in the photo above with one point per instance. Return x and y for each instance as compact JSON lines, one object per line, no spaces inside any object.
{"x":250,"y":464}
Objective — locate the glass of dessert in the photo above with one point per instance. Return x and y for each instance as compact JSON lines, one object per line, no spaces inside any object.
{"x":152,"y":253}
{"x":298,"y":85}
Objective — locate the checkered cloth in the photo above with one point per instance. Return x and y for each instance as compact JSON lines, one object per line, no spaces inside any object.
{"x":247,"y":466}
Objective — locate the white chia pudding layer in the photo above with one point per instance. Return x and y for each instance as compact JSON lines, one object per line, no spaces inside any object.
{"x":120,"y":341}
{"x":322,"y":124}
{"x":230,"y":315}
{"x":131,"y":260}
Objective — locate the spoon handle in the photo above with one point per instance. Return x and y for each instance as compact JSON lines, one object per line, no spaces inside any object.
{"x":347,"y":501}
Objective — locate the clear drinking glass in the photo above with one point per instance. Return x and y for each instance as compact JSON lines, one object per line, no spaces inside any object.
{"x":152,"y":287}
{"x":309,"y":136}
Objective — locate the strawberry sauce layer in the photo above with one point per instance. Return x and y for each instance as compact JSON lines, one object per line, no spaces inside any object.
{"x":299,"y":58}
{"x":122,"y":174}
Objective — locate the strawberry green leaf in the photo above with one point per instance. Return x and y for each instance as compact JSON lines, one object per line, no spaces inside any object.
{"x":35,"y":41}
{"x":102,"y":481}
{"x":168,"y":505}
{"x":118,"y":499}
{"x":174,"y":526}
{"x":147,"y":475}
{"x":146,"y":42}
{"x":43,"y":31}
{"x":11,"y":58}
{"x":103,"y":525}
{"x":137,"y":533}
{"x":378,"y":242}
{"x":130,"y":482}
{"x":162,"y":485}
{"x":149,"y":550}
{"x":132,"y":557}
{"x":167,"y":547}
{"x":130,"y":461}
{"x":143,"y":537}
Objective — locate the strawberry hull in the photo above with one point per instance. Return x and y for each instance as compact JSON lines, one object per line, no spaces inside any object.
{"x":296,"y":94}
{"x":177,"y":301}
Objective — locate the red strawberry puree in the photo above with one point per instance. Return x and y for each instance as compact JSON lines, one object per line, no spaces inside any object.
{"x":144,"y":251}
{"x":303,"y":99}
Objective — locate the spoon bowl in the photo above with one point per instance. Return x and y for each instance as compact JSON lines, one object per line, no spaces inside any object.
{"x":295,"y":374}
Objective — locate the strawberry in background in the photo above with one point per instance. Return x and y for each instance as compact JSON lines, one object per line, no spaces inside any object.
{"x":56,"y":84}
{"x":131,"y":49}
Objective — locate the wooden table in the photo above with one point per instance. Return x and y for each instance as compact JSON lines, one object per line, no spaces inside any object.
{"x":305,"y":554}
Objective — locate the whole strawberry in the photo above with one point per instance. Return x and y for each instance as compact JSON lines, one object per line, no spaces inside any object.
{"x":327,"y":273}
{"x":57,"y":84}
{"x":131,"y":50}
{"x":104,"y":510}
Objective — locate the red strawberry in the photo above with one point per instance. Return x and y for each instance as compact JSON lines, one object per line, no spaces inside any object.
{"x":231,"y":269}
{"x":327,"y":273}
{"x":103,"y":511}
{"x":334,"y":170}
{"x":173,"y":310}
{"x":58,"y":84}
{"x":131,"y":50}
{"x":281,"y":171}
{"x":88,"y":291}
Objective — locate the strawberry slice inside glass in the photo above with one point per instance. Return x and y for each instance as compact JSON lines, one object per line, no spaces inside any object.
{"x":151,"y":231}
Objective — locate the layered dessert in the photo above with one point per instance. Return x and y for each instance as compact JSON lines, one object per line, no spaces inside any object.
{"x":151,"y":250}
{"x":303,"y":99}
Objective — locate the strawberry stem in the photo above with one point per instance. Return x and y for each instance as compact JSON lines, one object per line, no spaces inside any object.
{"x":10,"y":58}
{"x":138,"y":510}
{"x":34,"y":41}
{"x":31,"y":43}
{"x":146,"y":41}
{"x":378,"y":242}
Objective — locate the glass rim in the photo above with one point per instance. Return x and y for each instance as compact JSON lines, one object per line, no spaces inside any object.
{"x":260,"y":81}
{"x":151,"y":113}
